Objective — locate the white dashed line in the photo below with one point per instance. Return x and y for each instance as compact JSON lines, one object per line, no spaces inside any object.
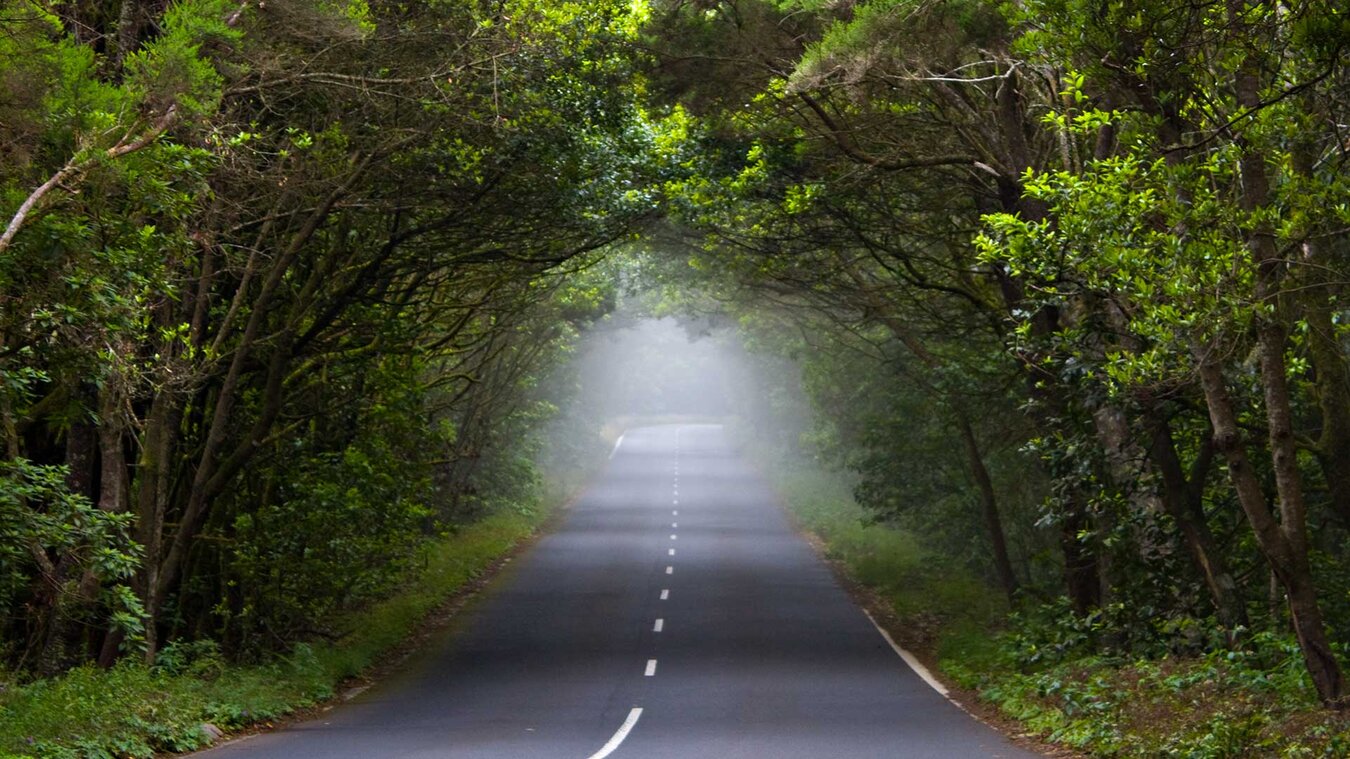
{"x":617,"y":443}
{"x":622,"y":733}
{"x":671,"y":552}
{"x":651,"y":667}
{"x":672,"y":537}
{"x":665,"y":593}
{"x":660,"y":625}
{"x":675,"y":513}
{"x":670,"y":570}
{"x":675,"y":525}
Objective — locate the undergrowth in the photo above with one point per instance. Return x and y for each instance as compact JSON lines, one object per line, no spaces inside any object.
{"x":1046,"y":668}
{"x":133,"y":710}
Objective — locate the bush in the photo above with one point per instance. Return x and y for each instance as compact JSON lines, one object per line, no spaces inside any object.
{"x":132,"y":710}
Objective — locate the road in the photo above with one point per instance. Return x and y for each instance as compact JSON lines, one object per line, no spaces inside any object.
{"x":676,"y":587}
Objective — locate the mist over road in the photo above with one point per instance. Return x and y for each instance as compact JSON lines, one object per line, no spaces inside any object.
{"x":674,"y":613}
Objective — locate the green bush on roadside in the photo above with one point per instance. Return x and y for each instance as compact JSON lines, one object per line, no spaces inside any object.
{"x":132,"y":710}
{"x":1108,"y":684}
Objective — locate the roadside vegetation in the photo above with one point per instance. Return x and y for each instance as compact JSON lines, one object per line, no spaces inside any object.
{"x":138,"y":710}
{"x":1056,"y":675}
{"x":289,"y":291}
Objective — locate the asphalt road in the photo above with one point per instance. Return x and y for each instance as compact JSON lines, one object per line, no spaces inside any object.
{"x":675,"y":586}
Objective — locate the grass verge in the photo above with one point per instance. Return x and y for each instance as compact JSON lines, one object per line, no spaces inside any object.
{"x":943,"y":607}
{"x":133,"y":710}
{"x":1227,"y":703}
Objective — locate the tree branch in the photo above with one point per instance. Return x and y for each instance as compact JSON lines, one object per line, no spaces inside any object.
{"x":75,"y":168}
{"x":850,"y":148}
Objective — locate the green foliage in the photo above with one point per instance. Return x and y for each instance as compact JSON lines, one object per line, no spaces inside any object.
{"x":357,"y":494}
{"x":41,"y":518}
{"x":1251,"y":700}
{"x":937,"y":599}
{"x":1163,"y":689}
{"x":173,"y":70}
{"x":224,"y":309}
{"x":136,"y":711}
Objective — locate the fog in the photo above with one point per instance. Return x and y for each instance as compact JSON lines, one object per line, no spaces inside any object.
{"x":657,"y":368}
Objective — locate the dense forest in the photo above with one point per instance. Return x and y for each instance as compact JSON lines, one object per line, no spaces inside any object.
{"x":291,"y":289}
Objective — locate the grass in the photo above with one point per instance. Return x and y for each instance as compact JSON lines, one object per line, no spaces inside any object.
{"x":945,"y":609}
{"x":136,"y":711}
{"x":1249,"y":701}
{"x":1253,"y":701}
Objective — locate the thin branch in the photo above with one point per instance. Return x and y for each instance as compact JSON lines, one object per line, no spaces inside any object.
{"x":76,"y":167}
{"x":851,"y":149}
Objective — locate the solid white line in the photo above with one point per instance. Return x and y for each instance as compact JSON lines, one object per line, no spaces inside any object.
{"x":670,"y":570}
{"x":618,"y":737}
{"x":660,"y":623}
{"x":913,"y":662}
{"x":665,"y":593}
{"x":651,"y":667}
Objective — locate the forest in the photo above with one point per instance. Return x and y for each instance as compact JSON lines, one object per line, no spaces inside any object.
{"x":295,"y":294}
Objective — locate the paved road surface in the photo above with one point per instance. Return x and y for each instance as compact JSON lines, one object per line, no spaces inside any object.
{"x":677,"y":587}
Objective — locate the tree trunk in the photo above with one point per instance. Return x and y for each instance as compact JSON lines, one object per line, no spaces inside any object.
{"x":61,"y":604}
{"x":213,"y":476}
{"x":989,"y":503}
{"x":1333,"y":399}
{"x":153,"y":474}
{"x":130,"y":17}
{"x":1331,"y":370}
{"x":1082,"y":575}
{"x":1291,"y":569}
{"x":1291,"y":532}
{"x":1182,"y":498}
{"x":80,"y":444}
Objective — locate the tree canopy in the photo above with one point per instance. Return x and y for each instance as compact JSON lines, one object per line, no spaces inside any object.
{"x":286,"y":287}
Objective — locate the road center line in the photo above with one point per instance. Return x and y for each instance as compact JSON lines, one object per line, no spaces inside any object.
{"x":651,"y":668}
{"x":618,"y":736}
{"x":660,"y":624}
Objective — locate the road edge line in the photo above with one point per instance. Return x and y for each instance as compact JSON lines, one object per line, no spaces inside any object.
{"x":912,"y":661}
{"x":619,"y":735}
